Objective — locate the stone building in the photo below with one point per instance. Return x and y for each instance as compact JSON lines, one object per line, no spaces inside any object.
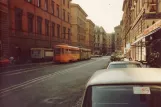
{"x":141,"y":28}
{"x":118,"y":39}
{"x":90,"y":34}
{"x":98,"y":39}
{"x":4,"y":29}
{"x":78,"y":23}
{"x":37,"y":24}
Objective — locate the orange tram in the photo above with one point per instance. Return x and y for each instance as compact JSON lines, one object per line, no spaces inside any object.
{"x":66,"y":53}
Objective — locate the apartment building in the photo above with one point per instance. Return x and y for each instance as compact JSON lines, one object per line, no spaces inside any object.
{"x":37,"y":24}
{"x":98,"y":39}
{"x":118,"y":39}
{"x":90,"y":34}
{"x":78,"y":23}
{"x":4,"y":29}
{"x":141,"y":28}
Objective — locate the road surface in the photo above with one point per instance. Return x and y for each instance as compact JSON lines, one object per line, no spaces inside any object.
{"x":49,"y":85}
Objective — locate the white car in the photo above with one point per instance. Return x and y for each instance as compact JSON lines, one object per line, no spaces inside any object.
{"x":125,"y":64}
{"x":141,"y":87}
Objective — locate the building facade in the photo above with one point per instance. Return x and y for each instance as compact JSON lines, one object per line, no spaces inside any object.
{"x":118,"y":39}
{"x":78,"y":23}
{"x":98,"y":39}
{"x":105,"y":44}
{"x":90,"y":34}
{"x":113,"y":42}
{"x":4,"y":29}
{"x":109,"y":42}
{"x":37,"y":24}
{"x":141,"y":24}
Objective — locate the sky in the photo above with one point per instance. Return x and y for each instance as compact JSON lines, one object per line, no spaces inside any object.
{"x":105,"y":13}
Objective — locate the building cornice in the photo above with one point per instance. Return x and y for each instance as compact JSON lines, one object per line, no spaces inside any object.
{"x":78,"y":6}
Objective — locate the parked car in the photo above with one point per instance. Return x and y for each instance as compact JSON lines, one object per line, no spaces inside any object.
{"x":117,"y":56}
{"x":141,"y":87}
{"x":125,"y":64}
{"x":4,"y":61}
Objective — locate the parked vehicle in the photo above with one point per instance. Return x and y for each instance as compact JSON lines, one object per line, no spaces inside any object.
{"x":85,"y":54}
{"x":125,"y":64}
{"x":135,"y":87}
{"x":66,"y":53}
{"x":4,"y":61}
{"x":117,"y":56}
{"x":41,"y":54}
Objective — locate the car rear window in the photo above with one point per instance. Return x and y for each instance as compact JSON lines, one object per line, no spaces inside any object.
{"x":125,"y":66}
{"x":113,"y":96}
{"x":124,"y":96}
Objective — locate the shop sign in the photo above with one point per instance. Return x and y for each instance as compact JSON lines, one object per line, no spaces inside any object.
{"x":152,"y":16}
{"x":153,"y":27}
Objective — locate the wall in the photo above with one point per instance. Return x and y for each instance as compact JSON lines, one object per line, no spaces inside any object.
{"x":25,"y":39}
{"x":4,"y":29}
{"x":78,"y":22}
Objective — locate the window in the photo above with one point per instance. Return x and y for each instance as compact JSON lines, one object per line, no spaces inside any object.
{"x":57,"y":51}
{"x":39,"y":3}
{"x":18,"y":19}
{"x":58,"y":30}
{"x":30,"y":22}
{"x":53,"y":29}
{"x":53,"y":6}
{"x":121,"y":96}
{"x":46,"y":4}
{"x":143,"y":1}
{"x":39,"y":25}
{"x":124,"y":66}
{"x":64,"y":31}
{"x":47,"y":27}
{"x":64,"y":2}
{"x":58,"y":10}
{"x":68,"y":3}
{"x":68,"y":17}
{"x":63,"y":14}
{"x":69,"y":34}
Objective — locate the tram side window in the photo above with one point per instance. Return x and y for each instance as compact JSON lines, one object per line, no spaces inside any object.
{"x":66,"y":51}
{"x":57,"y":51}
{"x":69,"y":51}
{"x":73,"y":51}
{"x":63,"y":51}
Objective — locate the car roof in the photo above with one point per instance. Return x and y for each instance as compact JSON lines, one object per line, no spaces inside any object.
{"x":126,"y":76}
{"x":125,"y":62}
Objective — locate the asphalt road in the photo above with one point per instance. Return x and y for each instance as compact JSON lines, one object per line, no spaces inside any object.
{"x":48,"y":86}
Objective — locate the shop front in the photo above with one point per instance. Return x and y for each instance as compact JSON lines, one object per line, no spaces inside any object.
{"x":148,"y":46}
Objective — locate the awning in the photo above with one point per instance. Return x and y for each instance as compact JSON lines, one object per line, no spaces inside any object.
{"x":144,"y":36}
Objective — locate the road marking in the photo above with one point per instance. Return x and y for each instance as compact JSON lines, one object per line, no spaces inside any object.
{"x":20,"y":71}
{"x":3,"y":92}
{"x":16,"y":72}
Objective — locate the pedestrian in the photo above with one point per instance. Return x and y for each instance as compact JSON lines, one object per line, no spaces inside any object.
{"x":11,"y":60}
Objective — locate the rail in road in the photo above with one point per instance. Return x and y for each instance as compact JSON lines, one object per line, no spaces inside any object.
{"x":54,"y":84}
{"x":23,"y":66}
{"x":29,"y":83}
